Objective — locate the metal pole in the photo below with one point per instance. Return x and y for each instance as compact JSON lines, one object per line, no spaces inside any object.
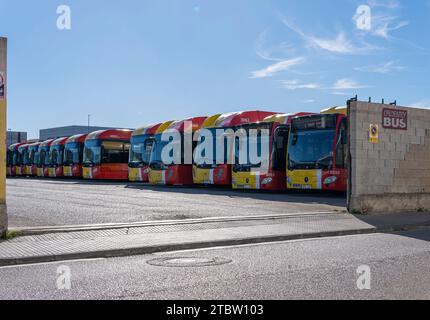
{"x":89,"y":117}
{"x":3,"y":106}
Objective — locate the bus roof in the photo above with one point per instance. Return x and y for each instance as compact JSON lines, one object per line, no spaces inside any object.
{"x":60,"y":141}
{"x":211,"y":121}
{"x":34,"y":145}
{"x":23,"y":146}
{"x":164,"y":127}
{"x":335,"y":110}
{"x":77,"y":138}
{"x":47,"y":143}
{"x":117,"y":134}
{"x":151,"y":129}
{"x":15,"y":146}
{"x":197,"y":123}
{"x":286,"y":118}
{"x":245,"y":117}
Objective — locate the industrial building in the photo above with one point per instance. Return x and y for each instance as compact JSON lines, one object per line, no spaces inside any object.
{"x":68,"y":131}
{"x":13,"y":137}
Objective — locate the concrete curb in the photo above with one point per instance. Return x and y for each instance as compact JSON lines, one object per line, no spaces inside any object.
{"x":125,"y":252}
{"x":109,"y":226}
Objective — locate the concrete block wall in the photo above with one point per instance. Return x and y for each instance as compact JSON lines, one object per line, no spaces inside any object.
{"x":394,"y":174}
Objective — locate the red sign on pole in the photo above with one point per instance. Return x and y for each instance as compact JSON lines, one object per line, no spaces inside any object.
{"x":395,"y":119}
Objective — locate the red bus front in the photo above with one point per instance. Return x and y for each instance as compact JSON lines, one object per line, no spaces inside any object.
{"x":106,"y":158}
{"x":317,"y":152}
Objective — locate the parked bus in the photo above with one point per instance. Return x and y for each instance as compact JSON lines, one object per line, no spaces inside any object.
{"x":33,"y":158}
{"x":74,"y":156}
{"x":221,"y":174}
{"x":317,"y":151}
{"x":142,"y":141}
{"x":21,"y":161}
{"x":106,"y":154}
{"x":204,"y":173}
{"x":13,"y":158}
{"x":44,"y":161}
{"x":56,"y":155}
{"x":173,"y":174}
{"x":269,"y":174}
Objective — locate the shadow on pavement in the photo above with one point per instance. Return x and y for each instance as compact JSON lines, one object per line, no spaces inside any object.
{"x":306,"y":197}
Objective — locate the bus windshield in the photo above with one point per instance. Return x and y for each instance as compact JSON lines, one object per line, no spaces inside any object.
{"x":140,"y":151}
{"x":56,"y":156}
{"x":32,"y":156}
{"x":25,"y":157}
{"x":311,"y":149}
{"x":44,"y":156}
{"x":17,"y":158}
{"x":202,"y":158}
{"x":156,"y":161}
{"x":73,"y":153}
{"x":254,"y":142}
{"x":36,"y":159}
{"x":9,"y":158}
{"x":98,"y":152}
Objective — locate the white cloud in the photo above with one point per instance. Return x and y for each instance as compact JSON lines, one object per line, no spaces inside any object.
{"x":309,"y":101}
{"x":277,"y":67}
{"x":388,"y":4}
{"x":294,"y":85}
{"x":338,"y":93}
{"x":347,"y":84}
{"x":341,"y":44}
{"x":384,"y":29}
{"x":385,"y":68}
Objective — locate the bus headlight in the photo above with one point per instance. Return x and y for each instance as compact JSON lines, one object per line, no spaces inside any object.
{"x":266,"y":181}
{"x":330,"y":180}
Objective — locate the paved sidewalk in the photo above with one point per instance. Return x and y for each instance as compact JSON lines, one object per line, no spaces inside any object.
{"x":153,"y":237}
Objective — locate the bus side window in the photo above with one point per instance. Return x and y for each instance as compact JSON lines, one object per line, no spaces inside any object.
{"x":341,"y":145}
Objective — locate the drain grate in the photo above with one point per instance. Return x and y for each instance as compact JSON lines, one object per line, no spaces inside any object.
{"x":188,"y":262}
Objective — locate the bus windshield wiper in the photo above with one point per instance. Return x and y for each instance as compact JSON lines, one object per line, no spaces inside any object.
{"x":320,"y":162}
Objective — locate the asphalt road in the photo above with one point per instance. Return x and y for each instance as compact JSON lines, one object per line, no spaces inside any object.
{"x":35,"y":202}
{"x":306,"y":269}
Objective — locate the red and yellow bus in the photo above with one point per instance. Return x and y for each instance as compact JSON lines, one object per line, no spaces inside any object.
{"x":13,"y":159}
{"x":269,"y":173}
{"x":33,"y":156}
{"x":142,"y":141}
{"x":221,"y":174}
{"x":56,"y":156}
{"x":106,"y":154}
{"x":74,"y":156}
{"x":317,"y":151}
{"x":44,"y":161}
{"x":174,"y":174}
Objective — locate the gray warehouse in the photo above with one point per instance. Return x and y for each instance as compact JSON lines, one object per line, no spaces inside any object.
{"x":13,"y":137}
{"x":60,"y":132}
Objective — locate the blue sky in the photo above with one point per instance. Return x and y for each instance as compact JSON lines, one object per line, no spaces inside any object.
{"x":136,"y":62}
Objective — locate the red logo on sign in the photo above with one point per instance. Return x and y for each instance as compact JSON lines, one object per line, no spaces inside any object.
{"x":395,"y":119}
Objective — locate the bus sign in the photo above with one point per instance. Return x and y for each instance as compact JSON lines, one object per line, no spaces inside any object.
{"x":395,"y":119}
